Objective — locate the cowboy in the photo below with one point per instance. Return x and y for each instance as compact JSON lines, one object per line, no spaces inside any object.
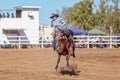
{"x":59,"y":25}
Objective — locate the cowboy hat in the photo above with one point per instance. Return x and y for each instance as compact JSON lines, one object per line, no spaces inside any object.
{"x":54,"y":15}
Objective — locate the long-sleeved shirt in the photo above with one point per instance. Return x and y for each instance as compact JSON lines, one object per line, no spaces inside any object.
{"x":58,"y":22}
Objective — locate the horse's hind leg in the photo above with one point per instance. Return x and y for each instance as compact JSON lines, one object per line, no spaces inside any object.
{"x":67,"y":59}
{"x":58,"y":61}
{"x":74,"y":52}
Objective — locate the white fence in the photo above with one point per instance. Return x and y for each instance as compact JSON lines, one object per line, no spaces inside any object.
{"x":80,"y":41}
{"x":97,"y":41}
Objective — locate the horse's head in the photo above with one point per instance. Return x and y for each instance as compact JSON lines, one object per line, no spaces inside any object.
{"x":62,"y":40}
{"x":61,"y":37}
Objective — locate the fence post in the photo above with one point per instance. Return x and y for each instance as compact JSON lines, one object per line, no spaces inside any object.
{"x":42,"y":37}
{"x":88,"y":41}
{"x":110,"y":41}
{"x":19,"y":42}
{"x":42,"y":41}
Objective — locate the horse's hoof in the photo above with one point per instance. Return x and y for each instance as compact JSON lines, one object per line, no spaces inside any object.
{"x":53,"y":49}
{"x":73,"y":55}
{"x":67,"y":68}
{"x":55,"y":69}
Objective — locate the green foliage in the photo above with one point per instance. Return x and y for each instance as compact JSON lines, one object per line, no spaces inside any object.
{"x":82,"y":15}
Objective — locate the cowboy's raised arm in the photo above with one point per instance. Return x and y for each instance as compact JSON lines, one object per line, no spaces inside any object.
{"x":62,"y":23}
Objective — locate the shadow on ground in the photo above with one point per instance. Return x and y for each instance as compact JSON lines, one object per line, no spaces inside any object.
{"x":72,"y":70}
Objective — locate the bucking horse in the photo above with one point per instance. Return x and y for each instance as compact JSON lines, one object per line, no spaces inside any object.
{"x":66,"y":46}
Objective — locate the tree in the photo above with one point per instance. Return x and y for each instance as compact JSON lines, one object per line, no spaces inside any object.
{"x":106,"y":17}
{"x":80,"y":14}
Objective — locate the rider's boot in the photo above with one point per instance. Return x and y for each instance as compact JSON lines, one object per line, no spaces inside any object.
{"x":54,"y":46}
{"x":54,"y":42}
{"x":57,"y":48}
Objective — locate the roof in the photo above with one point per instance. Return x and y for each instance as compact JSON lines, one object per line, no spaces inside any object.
{"x":14,"y":28}
{"x":22,"y":7}
{"x":96,"y":32}
{"x":77,"y":31}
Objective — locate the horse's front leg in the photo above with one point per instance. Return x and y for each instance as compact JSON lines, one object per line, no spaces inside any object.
{"x":58,"y":61}
{"x":67,"y":60}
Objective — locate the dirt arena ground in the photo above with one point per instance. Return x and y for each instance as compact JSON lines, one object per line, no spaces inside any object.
{"x":38,"y":64}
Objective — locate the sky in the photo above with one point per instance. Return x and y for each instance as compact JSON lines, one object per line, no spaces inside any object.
{"x":47,"y":6}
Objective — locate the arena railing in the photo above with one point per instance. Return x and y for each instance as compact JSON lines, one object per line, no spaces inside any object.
{"x":79,"y":41}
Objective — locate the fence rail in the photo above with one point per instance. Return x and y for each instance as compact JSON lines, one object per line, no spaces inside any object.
{"x":87,"y":41}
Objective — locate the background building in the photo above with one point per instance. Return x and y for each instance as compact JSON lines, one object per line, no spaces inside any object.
{"x":25,"y":23}
{"x":45,"y":32}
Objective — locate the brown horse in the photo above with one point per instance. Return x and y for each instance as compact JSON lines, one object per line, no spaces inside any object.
{"x":66,"y":46}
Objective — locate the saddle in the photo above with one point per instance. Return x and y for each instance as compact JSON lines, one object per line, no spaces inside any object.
{"x":66,"y":32}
